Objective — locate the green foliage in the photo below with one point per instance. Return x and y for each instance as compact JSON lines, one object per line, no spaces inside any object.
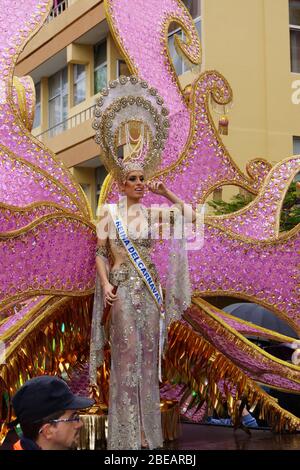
{"x":237,"y":202}
{"x":290,"y":214}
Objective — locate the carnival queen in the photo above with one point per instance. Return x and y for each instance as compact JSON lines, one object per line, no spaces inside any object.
{"x":128,"y":298}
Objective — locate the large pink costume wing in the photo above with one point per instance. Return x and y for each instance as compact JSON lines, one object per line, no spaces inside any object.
{"x":243,"y":255}
{"x":47,"y":240}
{"x":41,"y":206}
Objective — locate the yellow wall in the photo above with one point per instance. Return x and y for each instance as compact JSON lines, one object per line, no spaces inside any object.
{"x":283,"y":116}
{"x":113,"y":55}
{"x":234,"y":47}
{"x":86,"y":176}
{"x":248,"y":42}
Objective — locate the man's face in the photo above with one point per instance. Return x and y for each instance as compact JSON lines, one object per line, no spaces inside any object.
{"x":64,"y":435}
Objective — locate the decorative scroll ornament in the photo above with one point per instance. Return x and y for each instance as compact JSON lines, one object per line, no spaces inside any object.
{"x":222,"y":110}
{"x":223,"y":125}
{"x":189,"y":61}
{"x":126,"y":101}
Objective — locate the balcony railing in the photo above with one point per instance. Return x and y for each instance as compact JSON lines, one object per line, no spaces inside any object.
{"x":58,"y":9}
{"x":69,"y":123}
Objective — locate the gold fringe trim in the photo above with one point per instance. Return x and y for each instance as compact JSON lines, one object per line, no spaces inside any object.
{"x":93,"y":435}
{"x":192,"y":360}
{"x":170,"y":424}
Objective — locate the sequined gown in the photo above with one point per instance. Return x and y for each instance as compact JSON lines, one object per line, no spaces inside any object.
{"x":134,"y":402}
{"x":134,"y":399}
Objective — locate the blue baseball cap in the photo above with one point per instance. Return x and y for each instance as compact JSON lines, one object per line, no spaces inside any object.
{"x":43,"y":396}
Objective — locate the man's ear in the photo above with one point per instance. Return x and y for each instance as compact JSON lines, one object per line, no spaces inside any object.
{"x":48,"y":430}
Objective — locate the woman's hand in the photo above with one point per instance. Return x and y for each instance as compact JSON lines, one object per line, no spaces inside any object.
{"x":158,"y":188}
{"x":108,"y":295}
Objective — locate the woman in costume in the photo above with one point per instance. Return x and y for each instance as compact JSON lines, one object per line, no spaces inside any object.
{"x":138,"y":319}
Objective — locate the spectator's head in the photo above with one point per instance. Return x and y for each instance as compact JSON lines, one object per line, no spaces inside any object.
{"x":47,"y":411}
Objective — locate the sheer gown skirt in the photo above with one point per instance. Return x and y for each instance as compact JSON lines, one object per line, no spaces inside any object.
{"x":134,"y":403}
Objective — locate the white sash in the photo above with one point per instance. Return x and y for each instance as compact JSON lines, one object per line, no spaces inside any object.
{"x":144,"y":273}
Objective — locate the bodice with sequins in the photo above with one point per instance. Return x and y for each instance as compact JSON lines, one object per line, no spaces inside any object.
{"x":121,"y":262}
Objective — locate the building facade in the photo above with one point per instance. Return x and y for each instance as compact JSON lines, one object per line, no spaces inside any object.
{"x":255,"y":45}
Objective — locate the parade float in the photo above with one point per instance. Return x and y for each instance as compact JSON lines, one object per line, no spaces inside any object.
{"x":48,"y":237}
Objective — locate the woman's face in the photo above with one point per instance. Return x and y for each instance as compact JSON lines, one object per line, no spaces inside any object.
{"x":134,"y":186}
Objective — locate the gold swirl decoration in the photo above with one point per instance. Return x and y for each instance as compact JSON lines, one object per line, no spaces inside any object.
{"x":246,"y":211}
{"x":190,"y":50}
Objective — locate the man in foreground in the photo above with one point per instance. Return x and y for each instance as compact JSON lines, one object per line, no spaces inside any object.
{"x":48,"y":413}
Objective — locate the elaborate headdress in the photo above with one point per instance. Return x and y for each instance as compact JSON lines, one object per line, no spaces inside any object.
{"x":130,"y":100}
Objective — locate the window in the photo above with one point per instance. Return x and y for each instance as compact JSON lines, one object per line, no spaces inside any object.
{"x":100,"y":66}
{"x":296,"y":151}
{"x":194,"y":7}
{"x":294,"y":6}
{"x":37,"y":117}
{"x":122,"y":68}
{"x":58,"y":102}
{"x":79,"y":75}
{"x":296,"y":145}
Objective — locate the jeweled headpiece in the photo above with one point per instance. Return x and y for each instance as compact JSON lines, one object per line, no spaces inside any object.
{"x":130,"y":100}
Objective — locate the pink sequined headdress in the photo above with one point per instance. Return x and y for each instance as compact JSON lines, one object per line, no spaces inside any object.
{"x":130,"y":100}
